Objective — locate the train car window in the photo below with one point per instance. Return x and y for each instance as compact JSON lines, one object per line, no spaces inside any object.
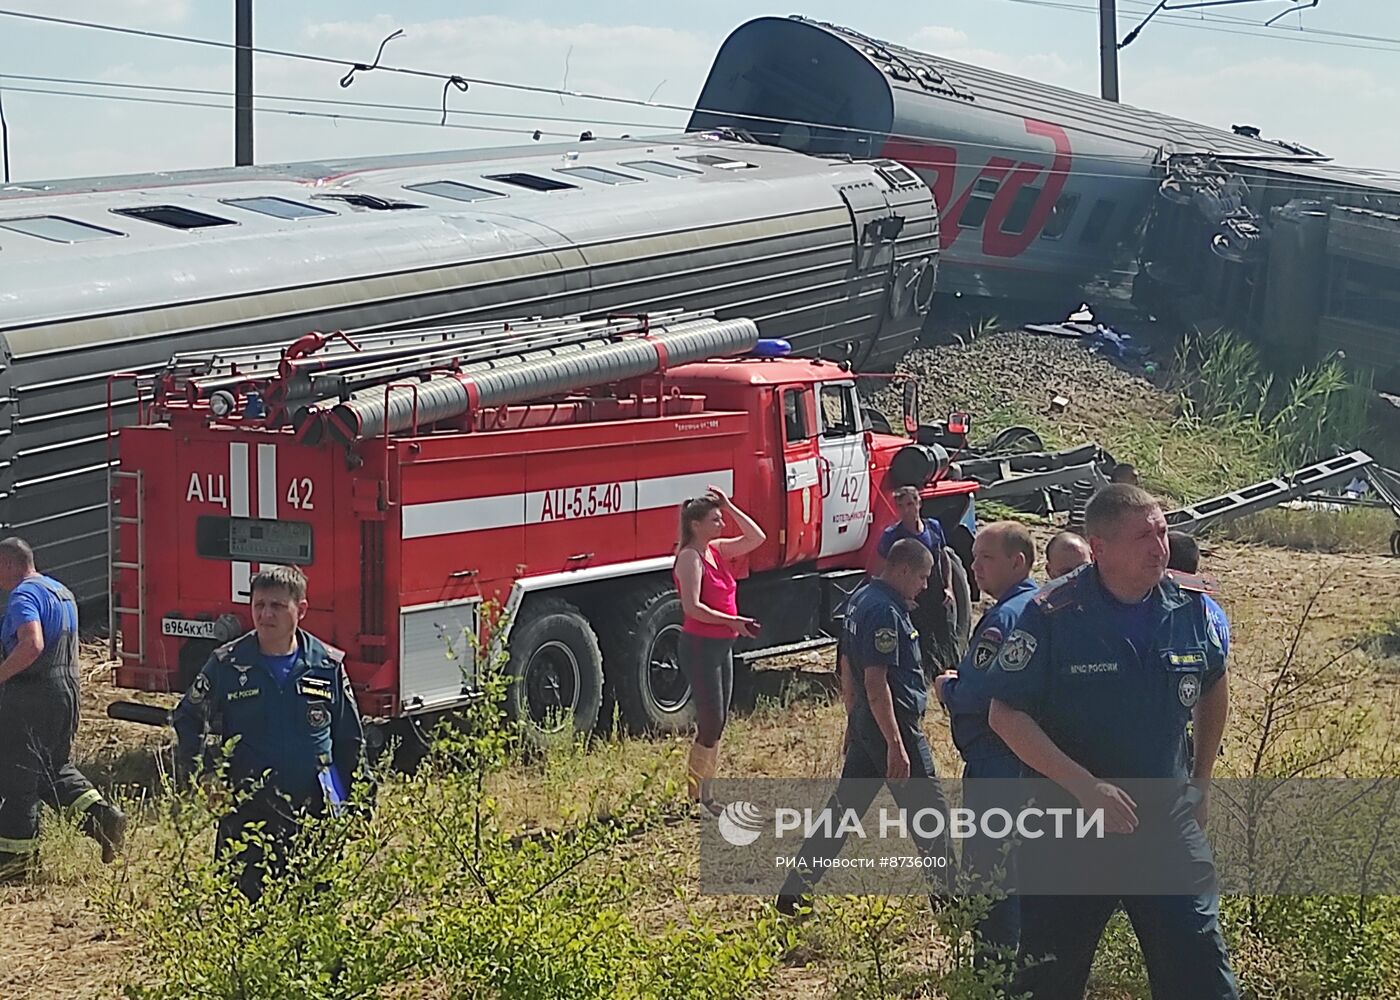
{"x":599,"y":174}
{"x":1060,"y":217}
{"x":1020,"y":213}
{"x":278,"y":208}
{"x":795,"y":416}
{"x":533,"y":182}
{"x":1098,"y":221}
{"x":662,"y":168}
{"x":58,"y":229}
{"x":370,"y":201}
{"x":174,"y":216}
{"x":974,"y":213}
{"x":455,"y":190}
{"x":721,"y":162}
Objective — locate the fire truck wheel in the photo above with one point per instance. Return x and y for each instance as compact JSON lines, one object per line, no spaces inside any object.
{"x":962,"y":608}
{"x":642,"y":657}
{"x":557,"y":670}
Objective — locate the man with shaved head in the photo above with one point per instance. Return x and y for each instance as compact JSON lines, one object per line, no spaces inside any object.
{"x":1065,"y":553}
{"x":1002,"y":558}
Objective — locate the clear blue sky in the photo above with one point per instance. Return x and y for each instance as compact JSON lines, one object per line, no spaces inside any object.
{"x":1330,"y":96}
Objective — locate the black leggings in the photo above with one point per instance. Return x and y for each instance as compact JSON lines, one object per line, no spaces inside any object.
{"x":708,"y":664}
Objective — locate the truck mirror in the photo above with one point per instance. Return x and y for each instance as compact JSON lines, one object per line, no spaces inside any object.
{"x":911,"y":406}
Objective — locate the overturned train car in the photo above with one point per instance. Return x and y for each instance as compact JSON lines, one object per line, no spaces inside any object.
{"x":107,"y":277}
{"x":1041,"y":189}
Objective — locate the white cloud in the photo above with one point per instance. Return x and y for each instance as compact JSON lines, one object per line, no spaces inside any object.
{"x":1265,"y":92}
{"x":1044,"y":67}
{"x":131,"y":13}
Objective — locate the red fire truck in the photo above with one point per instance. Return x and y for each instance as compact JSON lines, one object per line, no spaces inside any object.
{"x":423,"y":478}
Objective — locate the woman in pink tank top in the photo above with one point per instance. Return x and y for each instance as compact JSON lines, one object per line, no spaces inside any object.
{"x":709,"y":600}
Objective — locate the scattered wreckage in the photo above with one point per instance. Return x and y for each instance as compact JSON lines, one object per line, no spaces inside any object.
{"x":1013,"y":469}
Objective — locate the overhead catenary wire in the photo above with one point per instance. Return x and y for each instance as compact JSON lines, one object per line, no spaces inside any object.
{"x":1077,"y":171}
{"x":1335,"y":39}
{"x":448,"y":78}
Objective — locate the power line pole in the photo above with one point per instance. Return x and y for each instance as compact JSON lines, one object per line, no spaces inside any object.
{"x":243,"y":83}
{"x":1108,"y":50}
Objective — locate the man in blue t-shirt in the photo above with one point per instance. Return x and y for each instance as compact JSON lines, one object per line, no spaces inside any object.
{"x":39,"y":715}
{"x":935,"y":611}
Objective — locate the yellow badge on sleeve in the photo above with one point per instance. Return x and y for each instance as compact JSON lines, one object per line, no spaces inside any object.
{"x":886,"y":639}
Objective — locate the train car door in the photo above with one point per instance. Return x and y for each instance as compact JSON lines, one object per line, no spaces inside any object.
{"x":844,"y":470}
{"x":802,"y":510}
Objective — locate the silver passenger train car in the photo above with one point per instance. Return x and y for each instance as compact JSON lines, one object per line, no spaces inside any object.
{"x":118,"y":274}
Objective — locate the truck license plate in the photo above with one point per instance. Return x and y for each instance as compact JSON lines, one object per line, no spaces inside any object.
{"x":187,"y":628}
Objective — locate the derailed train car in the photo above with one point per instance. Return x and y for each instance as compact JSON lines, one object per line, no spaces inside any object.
{"x":116,"y":275}
{"x":1040,"y":188}
{"x":1043,"y":190}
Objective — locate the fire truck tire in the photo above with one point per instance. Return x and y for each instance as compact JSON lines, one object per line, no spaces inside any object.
{"x":962,"y":608}
{"x":556,"y":667}
{"x":641,"y":654}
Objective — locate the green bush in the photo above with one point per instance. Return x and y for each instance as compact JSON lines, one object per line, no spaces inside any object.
{"x":431,"y":895}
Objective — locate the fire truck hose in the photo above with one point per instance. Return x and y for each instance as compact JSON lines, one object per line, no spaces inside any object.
{"x":528,"y":377}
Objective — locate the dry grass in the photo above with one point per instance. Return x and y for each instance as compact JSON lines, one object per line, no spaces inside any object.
{"x":56,"y":944}
{"x":1356,"y":530}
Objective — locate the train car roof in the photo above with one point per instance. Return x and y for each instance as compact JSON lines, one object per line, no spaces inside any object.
{"x":1332,"y":173}
{"x":322,"y":172}
{"x":917,"y":76}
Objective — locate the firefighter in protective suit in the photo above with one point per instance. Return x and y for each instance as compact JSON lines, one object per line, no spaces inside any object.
{"x":284,"y":695}
{"x":39,"y":715}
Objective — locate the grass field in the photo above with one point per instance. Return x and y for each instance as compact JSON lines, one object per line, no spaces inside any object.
{"x":59,"y":943}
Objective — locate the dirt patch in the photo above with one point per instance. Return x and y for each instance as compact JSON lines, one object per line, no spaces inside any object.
{"x":1002,"y":375}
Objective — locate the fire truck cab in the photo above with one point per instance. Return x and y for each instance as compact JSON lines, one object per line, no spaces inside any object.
{"x":543,"y":529}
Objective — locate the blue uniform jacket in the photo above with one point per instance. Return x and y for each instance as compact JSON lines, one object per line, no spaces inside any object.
{"x":879,"y":634}
{"x":966,"y":697}
{"x":1117,"y":710}
{"x":285,"y":731}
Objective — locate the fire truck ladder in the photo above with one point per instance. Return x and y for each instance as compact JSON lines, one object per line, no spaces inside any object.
{"x":116,"y":520}
{"x":1196,"y":517}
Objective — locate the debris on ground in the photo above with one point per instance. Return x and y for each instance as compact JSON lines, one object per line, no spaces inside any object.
{"x":996,"y":376}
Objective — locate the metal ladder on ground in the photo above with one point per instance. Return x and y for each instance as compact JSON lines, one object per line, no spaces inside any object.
{"x":1195,"y":517}
{"x":116,"y":519}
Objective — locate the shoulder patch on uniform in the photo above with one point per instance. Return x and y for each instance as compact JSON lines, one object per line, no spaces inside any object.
{"x":1213,"y":630}
{"x":985,"y":651}
{"x":886,"y":640}
{"x":199,"y":690}
{"x":1016,"y":652}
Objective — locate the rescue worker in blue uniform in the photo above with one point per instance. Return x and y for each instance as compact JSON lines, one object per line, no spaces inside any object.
{"x":1184,"y":560}
{"x":39,"y":715}
{"x":286,"y":697}
{"x":886,"y":694}
{"x":1184,"y":557}
{"x":1093,"y":689}
{"x":1002,"y":559}
{"x":933,"y":610}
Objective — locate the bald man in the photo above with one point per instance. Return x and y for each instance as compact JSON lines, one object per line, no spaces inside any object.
{"x":1002,"y":559}
{"x":1065,"y":553}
